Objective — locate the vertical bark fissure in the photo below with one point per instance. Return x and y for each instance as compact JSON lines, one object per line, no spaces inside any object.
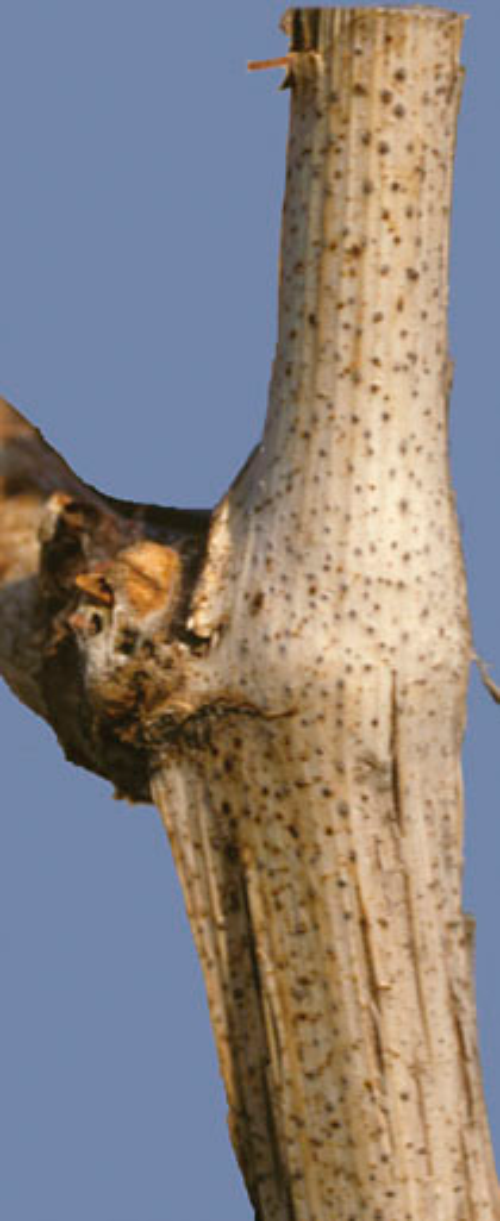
{"x":276,"y":1147}
{"x":215,"y":889}
{"x":397,"y":803}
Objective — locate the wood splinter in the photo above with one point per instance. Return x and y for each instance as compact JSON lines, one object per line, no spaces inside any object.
{"x":282,"y":61}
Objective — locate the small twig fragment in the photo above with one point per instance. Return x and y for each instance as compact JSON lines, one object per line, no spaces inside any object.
{"x":256,"y":65}
{"x":490,"y":685}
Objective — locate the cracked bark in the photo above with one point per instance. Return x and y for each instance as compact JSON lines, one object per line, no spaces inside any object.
{"x":285,"y":677}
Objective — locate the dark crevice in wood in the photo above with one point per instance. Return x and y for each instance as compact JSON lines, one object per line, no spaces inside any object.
{"x":303,"y":26}
{"x":280,"y":1175}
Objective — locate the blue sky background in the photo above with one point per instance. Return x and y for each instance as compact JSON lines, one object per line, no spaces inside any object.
{"x":142,"y":179}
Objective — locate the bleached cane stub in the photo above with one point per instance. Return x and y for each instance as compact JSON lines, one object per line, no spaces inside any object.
{"x":286,"y":676}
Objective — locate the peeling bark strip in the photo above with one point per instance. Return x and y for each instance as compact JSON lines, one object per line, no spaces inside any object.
{"x":288,"y":675}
